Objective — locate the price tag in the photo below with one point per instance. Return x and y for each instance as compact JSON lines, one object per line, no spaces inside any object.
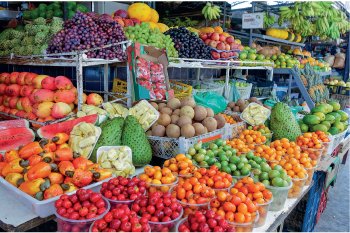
{"x":253,"y":20}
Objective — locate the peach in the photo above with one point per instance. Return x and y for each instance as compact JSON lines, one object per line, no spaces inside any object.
{"x":13,"y":102}
{"x":37,"y":81}
{"x":94,"y":99}
{"x":49,"y":83}
{"x":6,"y":101}
{"x":19,"y":104}
{"x":27,"y":105}
{"x":44,"y":95}
{"x":136,"y":21}
{"x":63,"y":83}
{"x":31,"y":96}
{"x":84,"y":99}
{"x":3,"y":77}
{"x":21,"y":113}
{"x":119,"y":20}
{"x":29,"y":77}
{"x":128,"y":22}
{"x":8,"y":80}
{"x":13,"y":90}
{"x":13,"y":77}
{"x":64,"y":96}
{"x":44,"y":109}
{"x":27,"y":90}
{"x":3,"y":89}
{"x":60,"y":110}
{"x":20,"y":78}
{"x":37,"y":126}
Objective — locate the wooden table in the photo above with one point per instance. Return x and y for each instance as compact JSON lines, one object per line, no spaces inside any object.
{"x":14,"y":216}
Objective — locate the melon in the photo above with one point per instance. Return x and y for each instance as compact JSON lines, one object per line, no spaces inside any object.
{"x":14,"y":124}
{"x":49,"y":131}
{"x":15,"y":137}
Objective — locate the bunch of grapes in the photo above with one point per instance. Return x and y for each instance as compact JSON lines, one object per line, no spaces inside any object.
{"x":150,"y":36}
{"x":188,"y":44}
{"x":86,"y":32}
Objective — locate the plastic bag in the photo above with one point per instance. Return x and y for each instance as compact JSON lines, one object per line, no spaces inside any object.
{"x":211,"y":100}
{"x":339,"y":62}
{"x":234,"y":93}
{"x":329,"y":60}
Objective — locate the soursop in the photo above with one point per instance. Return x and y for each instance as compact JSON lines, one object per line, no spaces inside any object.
{"x":16,"y":49}
{"x":283,"y":123}
{"x":23,"y":51}
{"x":39,"y":21}
{"x":39,"y":38}
{"x":135,"y":137}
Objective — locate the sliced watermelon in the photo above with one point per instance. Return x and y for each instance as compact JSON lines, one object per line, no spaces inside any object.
{"x":49,"y":131}
{"x":14,"y":124}
{"x":15,"y":137}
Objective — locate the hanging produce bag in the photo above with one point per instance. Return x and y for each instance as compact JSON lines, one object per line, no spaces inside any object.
{"x":234,"y":92}
{"x":211,"y":100}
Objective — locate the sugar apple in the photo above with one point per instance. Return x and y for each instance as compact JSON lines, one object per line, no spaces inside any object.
{"x":3,"y":44}
{"x":16,"y":49}
{"x":39,"y":38}
{"x":42,"y":28}
{"x":30,"y":49}
{"x":39,"y":21}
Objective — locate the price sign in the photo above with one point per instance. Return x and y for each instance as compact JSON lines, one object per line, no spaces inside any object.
{"x":253,"y":20}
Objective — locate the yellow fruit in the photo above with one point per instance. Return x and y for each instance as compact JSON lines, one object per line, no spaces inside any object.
{"x":153,"y":25}
{"x":162,"y":27}
{"x":218,"y":29}
{"x":140,"y":11}
{"x":154,"y":17}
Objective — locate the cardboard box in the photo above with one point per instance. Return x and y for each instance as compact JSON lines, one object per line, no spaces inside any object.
{"x":330,"y":165}
{"x":344,"y":146}
{"x":149,"y":53}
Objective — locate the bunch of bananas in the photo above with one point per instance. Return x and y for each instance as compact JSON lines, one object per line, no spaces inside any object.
{"x":179,"y":23}
{"x":211,"y":11}
{"x":324,"y":4}
{"x":307,"y":9}
{"x":343,"y":26}
{"x":190,"y":23}
{"x":268,"y":20}
{"x":322,"y":26}
{"x":289,"y":12}
{"x":168,"y":22}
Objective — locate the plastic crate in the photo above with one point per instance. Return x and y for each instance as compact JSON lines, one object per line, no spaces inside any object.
{"x":167,"y":148}
{"x":335,"y":141}
{"x":323,"y":203}
{"x":181,"y":90}
{"x":332,"y":88}
{"x":261,"y":89}
{"x":205,"y":85}
{"x":245,"y":92}
{"x":119,"y":86}
{"x":344,"y":91}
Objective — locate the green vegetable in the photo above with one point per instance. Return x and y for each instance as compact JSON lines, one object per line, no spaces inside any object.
{"x":26,"y":15}
{"x":34,"y":13}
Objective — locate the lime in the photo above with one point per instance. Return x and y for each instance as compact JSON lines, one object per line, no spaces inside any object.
{"x":199,"y":157}
{"x":278,"y":168}
{"x":285,"y":184}
{"x":202,"y":151}
{"x":263,"y":160}
{"x":243,"y":156}
{"x":248,"y":166}
{"x":210,"y":153}
{"x":227,"y":147}
{"x":277,"y":182}
{"x":197,"y":146}
{"x":254,"y":164}
{"x":228,"y":153}
{"x":256,"y":172}
{"x":224,"y":163}
{"x":243,"y":55}
{"x":218,"y":142}
{"x":258,"y":160}
{"x":274,"y":174}
{"x":213,"y":146}
{"x":250,"y":161}
{"x":203,"y":164}
{"x":263,"y":176}
{"x":262,"y":131}
{"x":226,"y":169}
{"x":245,"y":171}
{"x":192,"y":151}
{"x":283,"y":175}
{"x":194,"y":162}
{"x":232,"y":166}
{"x":244,"y":160}
{"x":235,"y":159}
{"x":218,"y":165}
{"x":256,"y":177}
{"x":258,"y":166}
{"x":250,"y":155}
{"x":188,"y":156}
{"x":223,"y":158}
{"x":240,"y":165}
{"x":215,"y":152}
{"x":233,"y":151}
{"x":265,"y":167}
{"x":224,"y":143}
{"x":221,"y":147}
{"x":222,"y":153}
{"x":206,"y":157}
{"x":236,"y":173}
{"x":266,"y":182}
{"x":211,"y":161}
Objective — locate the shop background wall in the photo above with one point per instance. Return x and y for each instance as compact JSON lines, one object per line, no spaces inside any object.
{"x":105,"y":7}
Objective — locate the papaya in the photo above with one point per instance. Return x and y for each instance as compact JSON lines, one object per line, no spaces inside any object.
{"x":327,"y":124}
{"x":340,"y":127}
{"x":343,"y":115}
{"x":31,"y":187}
{"x":319,"y":108}
{"x":336,"y":115}
{"x":319,"y":127}
{"x":330,"y":118}
{"x":32,"y":148}
{"x":320,"y":115}
{"x":311,"y":120}
{"x":336,"y":106}
{"x":64,"y":154}
{"x":41,"y":170}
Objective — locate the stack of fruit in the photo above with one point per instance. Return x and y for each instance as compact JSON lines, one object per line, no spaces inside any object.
{"x":265,"y":131}
{"x":311,"y":145}
{"x":240,"y":146}
{"x":251,"y":136}
{"x":157,"y":179}
{"x":238,"y":106}
{"x":40,"y":97}
{"x":253,"y":55}
{"x":268,"y":153}
{"x":181,"y":165}
{"x":228,"y":119}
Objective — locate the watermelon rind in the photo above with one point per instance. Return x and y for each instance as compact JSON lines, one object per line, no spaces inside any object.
{"x":49,"y":131}
{"x":14,"y":124}
{"x":102,"y":118}
{"x":15,"y":137}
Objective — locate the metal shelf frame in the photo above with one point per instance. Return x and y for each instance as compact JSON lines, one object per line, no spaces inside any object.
{"x":78,"y":62}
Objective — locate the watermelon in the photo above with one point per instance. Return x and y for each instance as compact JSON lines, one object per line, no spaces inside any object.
{"x":15,"y":137}
{"x":14,"y":124}
{"x":49,"y":131}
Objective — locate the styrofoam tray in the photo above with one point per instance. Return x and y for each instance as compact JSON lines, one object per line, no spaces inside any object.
{"x":155,"y":112}
{"x":107,"y":148}
{"x":43,"y":208}
{"x":97,"y":137}
{"x":241,"y":116}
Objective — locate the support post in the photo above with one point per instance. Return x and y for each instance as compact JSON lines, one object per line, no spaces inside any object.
{"x":105,"y":81}
{"x":65,"y":11}
{"x":251,"y":30}
{"x":79,"y":75}
{"x":198,"y":73}
{"x":224,"y":19}
{"x":290,"y":84}
{"x":129,"y":88}
{"x":226,"y":83}
{"x":302,"y":89}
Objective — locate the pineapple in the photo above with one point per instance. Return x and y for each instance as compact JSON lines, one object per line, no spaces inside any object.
{"x":303,"y":79}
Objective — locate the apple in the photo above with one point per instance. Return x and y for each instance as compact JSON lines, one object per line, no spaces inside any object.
{"x":213,"y":44}
{"x":207,"y":41}
{"x":220,"y":46}
{"x":223,"y":55}
{"x":227,"y":47}
{"x":240,"y":47}
{"x":235,"y":54}
{"x":203,"y":36}
{"x":209,"y":35}
{"x":222,"y":38}
{"x":231,"y":46}
{"x":215,"y":55}
{"x":230,"y":54}
{"x":215,"y":36}
{"x":229,"y":40}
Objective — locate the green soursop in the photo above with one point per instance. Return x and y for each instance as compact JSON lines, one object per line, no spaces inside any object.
{"x":111,"y":135}
{"x":283,"y":123}
{"x":135,"y":137}
{"x":42,"y":28}
{"x":30,"y":49}
{"x":39,"y":38}
{"x":39,"y":21}
{"x":16,"y":49}
{"x":37,"y":50}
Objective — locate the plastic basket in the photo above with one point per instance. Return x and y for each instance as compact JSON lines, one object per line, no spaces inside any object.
{"x":165,"y":226}
{"x":205,"y":85}
{"x":335,"y":141}
{"x":297,"y":188}
{"x":181,"y":90}
{"x":244,"y":92}
{"x":119,"y":86}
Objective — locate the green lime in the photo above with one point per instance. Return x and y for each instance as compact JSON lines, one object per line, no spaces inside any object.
{"x":263,"y":160}
{"x":203,"y":164}
{"x":265,"y":167}
{"x":206,"y":157}
{"x":226,"y":169}
{"x":192,"y":151}
{"x":254,"y":164}
{"x":274,"y":174}
{"x":199,"y":157}
{"x":218,"y":142}
{"x":258,"y":166}
{"x":188,"y":156}
{"x":236,"y":173}
{"x":197,"y":146}
{"x":221,"y":147}
{"x":250,"y":155}
{"x":218,"y":165}
{"x":210,"y":153}
{"x":202,"y":151}
{"x":227,"y":147}
{"x":224,"y":143}
{"x":278,"y":168}
{"x":235,"y":159}
{"x":266,"y":182}
{"x":244,"y":160}
{"x":213,"y":146}
{"x":258,"y":160}
{"x":223,"y":157}
{"x":232,"y":166}
{"x":288,"y":179}
{"x":240,"y":165}
{"x":224,"y":163}
{"x":211,"y":161}
{"x":233,"y":151}
{"x":277,"y":182}
{"x":216,"y":152}
{"x":222,"y":153}
{"x":245,"y":171}
{"x":256,"y":172}
{"x":263,"y":176}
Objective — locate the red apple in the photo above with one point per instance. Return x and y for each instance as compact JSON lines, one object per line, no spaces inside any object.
{"x":209,"y":35}
{"x":215,"y":36}
{"x":227,"y":47}
{"x":222,"y":38}
{"x":215,"y":55}
{"x":122,"y":13}
{"x":223,"y":55}
{"x":213,"y":44}
{"x":235,"y":54}
{"x":229,"y":40}
{"x":136,"y":21}
{"x":231,"y":46}
{"x":230,"y":54}
{"x":207,"y":41}
{"x":240,"y":47}
{"x":220,"y":46}
{"x":203,"y":36}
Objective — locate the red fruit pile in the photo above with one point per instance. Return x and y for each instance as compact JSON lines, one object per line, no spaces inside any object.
{"x":205,"y":221}
{"x":84,"y":204}
{"x":121,"y":219}
{"x":123,"y":189}
{"x":158,"y":207}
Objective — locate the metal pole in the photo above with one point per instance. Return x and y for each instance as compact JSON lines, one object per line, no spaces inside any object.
{"x":227,"y":78}
{"x":105,"y":81}
{"x":65,"y":11}
{"x":92,"y":6}
{"x":290,"y":84}
{"x":251,"y":30}
{"x":79,"y":71}
{"x":224,"y":19}
{"x":129,"y":90}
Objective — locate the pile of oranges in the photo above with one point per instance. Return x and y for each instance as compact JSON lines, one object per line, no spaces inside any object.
{"x":270,"y":154}
{"x":291,"y":165}
{"x":239,"y":145}
{"x":180,"y":165}
{"x":192,"y":195}
{"x":157,"y":178}
{"x":212,"y":177}
{"x":286,"y":147}
{"x":228,"y":119}
{"x":311,"y":144}
{"x":252,"y":137}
